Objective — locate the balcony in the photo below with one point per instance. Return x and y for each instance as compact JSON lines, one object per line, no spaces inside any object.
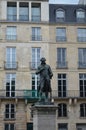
{"x":61,"y":39}
{"x":34,"y":65}
{"x":10,"y":65}
{"x":62,"y":65}
{"x":36,"y":38}
{"x":33,"y":94}
{"x":82,"y":65}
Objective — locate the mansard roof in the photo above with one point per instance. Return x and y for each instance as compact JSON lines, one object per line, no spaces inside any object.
{"x":70,"y":12}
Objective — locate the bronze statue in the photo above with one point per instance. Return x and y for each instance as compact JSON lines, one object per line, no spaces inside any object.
{"x":46,"y":74}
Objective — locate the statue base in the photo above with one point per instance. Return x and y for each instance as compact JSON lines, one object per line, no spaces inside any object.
{"x":44,"y":116}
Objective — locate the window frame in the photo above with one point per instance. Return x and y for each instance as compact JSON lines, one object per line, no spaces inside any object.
{"x":62,"y":110}
{"x":82,"y":84}
{"x":82,"y":58}
{"x":83,"y":109}
{"x":11,"y":33}
{"x":10,"y":84}
{"x":80,"y":19}
{"x":61,"y":34}
{"x":81,"y":34}
{"x":9,"y":111}
{"x":60,"y":11}
{"x":61,"y":58}
{"x":62,"y":85}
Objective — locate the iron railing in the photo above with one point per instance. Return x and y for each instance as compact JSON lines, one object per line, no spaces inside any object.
{"x":61,"y":38}
{"x":61,"y":65}
{"x":11,"y":37}
{"x":33,"y":94}
{"x":10,"y":65}
{"x":36,"y":38}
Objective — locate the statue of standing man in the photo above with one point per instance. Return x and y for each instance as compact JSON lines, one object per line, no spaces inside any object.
{"x":46,"y":74}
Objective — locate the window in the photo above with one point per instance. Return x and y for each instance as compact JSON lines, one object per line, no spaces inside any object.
{"x":36,"y":34}
{"x":82,"y":57}
{"x":81,"y":32}
{"x":36,"y":55}
{"x":60,"y":34}
{"x":62,"y":126}
{"x":83,"y":110}
{"x":82,"y":85}
{"x":35,"y":84}
{"x":23,"y":11}
{"x":9,"y":126}
{"x":61,"y":58}
{"x":80,"y":15}
{"x":10,"y":58}
{"x":60,"y":15}
{"x":62,"y":85}
{"x":62,"y":110}
{"x":10,"y":85}
{"x":12,"y":11}
{"x":36,"y":12}
{"x":11,"y":33}
{"x":9,"y":111}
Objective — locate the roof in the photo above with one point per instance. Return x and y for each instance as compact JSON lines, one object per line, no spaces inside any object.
{"x":70,"y":11}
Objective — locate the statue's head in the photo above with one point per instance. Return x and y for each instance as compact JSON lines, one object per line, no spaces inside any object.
{"x":42,"y":60}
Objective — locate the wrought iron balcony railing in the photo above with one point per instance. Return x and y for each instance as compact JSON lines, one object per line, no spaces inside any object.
{"x":11,"y":65}
{"x":69,"y":94}
{"x":33,"y":94}
{"x":36,"y":38}
{"x":34,"y":65}
{"x":61,"y":65}
{"x":61,"y":39}
{"x":11,"y":37}
{"x":24,"y":94}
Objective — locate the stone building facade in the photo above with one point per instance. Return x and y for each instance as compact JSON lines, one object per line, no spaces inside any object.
{"x":32,"y":29}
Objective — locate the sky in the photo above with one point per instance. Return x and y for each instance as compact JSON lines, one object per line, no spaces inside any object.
{"x":64,"y":1}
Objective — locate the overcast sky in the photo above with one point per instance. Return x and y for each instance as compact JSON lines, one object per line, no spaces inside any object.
{"x":64,"y":1}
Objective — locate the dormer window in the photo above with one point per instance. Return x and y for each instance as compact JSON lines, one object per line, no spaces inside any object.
{"x":60,"y":15}
{"x":80,"y":15}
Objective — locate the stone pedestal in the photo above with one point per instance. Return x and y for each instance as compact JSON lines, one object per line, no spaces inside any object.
{"x":44,"y":117}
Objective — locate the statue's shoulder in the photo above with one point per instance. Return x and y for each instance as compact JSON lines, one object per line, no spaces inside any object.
{"x":48,"y":66}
